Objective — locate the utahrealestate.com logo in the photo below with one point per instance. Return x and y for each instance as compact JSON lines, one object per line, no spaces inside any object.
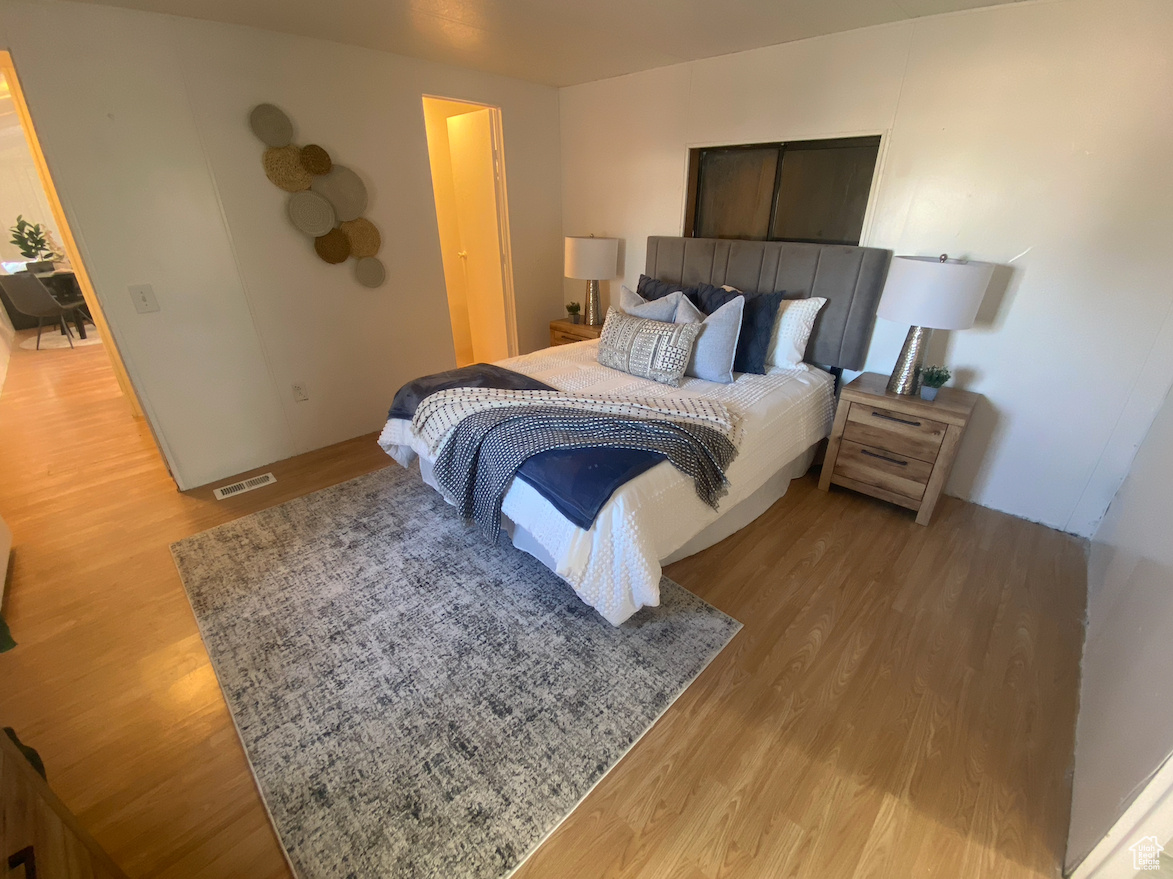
{"x":1146,"y":853}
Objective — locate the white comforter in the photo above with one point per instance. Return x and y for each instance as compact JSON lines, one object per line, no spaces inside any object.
{"x":615,"y":566}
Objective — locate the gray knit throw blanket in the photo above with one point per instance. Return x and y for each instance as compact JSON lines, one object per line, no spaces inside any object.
{"x":477,"y":462}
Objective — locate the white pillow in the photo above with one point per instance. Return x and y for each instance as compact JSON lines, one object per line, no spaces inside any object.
{"x":663,"y":309}
{"x":792,"y":331}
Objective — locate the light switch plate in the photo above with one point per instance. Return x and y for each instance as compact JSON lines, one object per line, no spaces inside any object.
{"x":144,"y":298}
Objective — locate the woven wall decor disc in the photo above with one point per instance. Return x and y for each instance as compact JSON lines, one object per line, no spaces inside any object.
{"x":271,"y":125}
{"x":333,"y":247}
{"x":315,"y":159}
{"x":345,"y":190}
{"x":311,"y":213}
{"x":364,"y":237}
{"x":283,"y":168}
{"x":370,"y":272}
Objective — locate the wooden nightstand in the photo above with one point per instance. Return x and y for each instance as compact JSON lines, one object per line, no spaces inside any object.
{"x":894,"y":447}
{"x":563,"y":332}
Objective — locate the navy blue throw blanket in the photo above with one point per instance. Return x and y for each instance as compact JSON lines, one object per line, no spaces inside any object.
{"x":577,"y":482}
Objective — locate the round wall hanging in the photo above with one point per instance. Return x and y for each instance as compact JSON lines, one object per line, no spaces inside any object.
{"x":315,"y":159}
{"x":363,"y":236}
{"x":271,"y":125}
{"x":369,"y":272}
{"x":283,"y":168}
{"x":332,"y":247}
{"x":311,"y":213}
{"x":345,"y":190}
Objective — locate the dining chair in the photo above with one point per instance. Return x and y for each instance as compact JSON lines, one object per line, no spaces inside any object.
{"x":30,"y":296}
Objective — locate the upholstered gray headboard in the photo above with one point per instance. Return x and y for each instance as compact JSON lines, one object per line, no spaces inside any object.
{"x":849,"y":278}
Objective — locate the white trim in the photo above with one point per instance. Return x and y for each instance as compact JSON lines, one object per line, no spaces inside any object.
{"x":497,"y":130}
{"x":1150,"y":814}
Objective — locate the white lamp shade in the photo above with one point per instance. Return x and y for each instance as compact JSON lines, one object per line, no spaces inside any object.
{"x":925,"y":292}
{"x":592,"y":259}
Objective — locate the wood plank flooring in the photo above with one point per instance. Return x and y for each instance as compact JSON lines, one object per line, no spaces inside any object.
{"x":901,"y":701}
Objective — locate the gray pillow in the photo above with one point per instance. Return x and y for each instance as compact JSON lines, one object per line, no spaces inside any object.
{"x":646,"y":348}
{"x":716,"y":345}
{"x":657,"y":309}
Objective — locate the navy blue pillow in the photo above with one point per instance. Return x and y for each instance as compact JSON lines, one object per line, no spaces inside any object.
{"x":757,"y":323}
{"x":653,"y":288}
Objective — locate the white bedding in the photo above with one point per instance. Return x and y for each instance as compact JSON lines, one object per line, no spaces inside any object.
{"x":616,"y":566}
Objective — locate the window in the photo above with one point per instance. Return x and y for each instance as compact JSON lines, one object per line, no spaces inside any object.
{"x":814,"y":190}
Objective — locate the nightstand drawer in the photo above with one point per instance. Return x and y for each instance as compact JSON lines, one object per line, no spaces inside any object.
{"x":906,"y":435}
{"x":557,"y":337}
{"x":902,"y":475}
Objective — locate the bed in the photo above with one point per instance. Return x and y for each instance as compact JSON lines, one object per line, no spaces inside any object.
{"x":657,"y":517}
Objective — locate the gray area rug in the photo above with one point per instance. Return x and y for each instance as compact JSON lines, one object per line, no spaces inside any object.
{"x":414,"y":701}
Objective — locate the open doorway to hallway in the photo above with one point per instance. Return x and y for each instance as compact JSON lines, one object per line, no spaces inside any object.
{"x":47,"y":302}
{"x":468,"y":181}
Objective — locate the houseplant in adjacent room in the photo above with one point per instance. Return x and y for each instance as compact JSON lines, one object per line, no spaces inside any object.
{"x":932,"y":378}
{"x":572,"y":311}
{"x":32,"y":241}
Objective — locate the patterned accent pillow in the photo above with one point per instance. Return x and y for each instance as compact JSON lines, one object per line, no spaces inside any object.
{"x":647,"y":348}
{"x":792,"y":331}
{"x":658,"y":309}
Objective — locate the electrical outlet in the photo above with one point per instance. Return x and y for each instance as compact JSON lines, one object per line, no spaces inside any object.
{"x":144,"y":298}
{"x":300,"y":394}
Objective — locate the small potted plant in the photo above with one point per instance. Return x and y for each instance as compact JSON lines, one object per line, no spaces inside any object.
{"x":932,"y":378}
{"x":572,"y":311}
{"x":30,"y":240}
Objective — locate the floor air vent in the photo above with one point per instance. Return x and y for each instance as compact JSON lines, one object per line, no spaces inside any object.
{"x":243,"y":486}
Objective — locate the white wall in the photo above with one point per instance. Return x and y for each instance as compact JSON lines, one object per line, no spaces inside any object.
{"x":1125,"y":728}
{"x":21,"y":193}
{"x":1034,"y":135}
{"x":143,"y":120}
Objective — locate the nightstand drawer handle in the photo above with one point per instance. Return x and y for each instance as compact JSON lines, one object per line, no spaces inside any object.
{"x":907,"y":421}
{"x":883,"y":457}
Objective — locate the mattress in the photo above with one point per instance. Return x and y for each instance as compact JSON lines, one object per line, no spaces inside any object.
{"x":615,"y":566}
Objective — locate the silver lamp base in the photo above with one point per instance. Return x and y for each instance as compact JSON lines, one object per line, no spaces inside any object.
{"x":592,"y":304}
{"x":906,"y":374}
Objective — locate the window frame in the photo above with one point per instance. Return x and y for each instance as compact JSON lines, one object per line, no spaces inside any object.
{"x":696,"y":162}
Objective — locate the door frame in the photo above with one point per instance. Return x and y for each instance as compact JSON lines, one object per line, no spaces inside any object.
{"x":505,"y":242}
{"x":68,"y":243}
{"x":501,"y":199}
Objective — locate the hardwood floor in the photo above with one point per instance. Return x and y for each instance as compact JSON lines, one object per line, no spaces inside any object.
{"x":901,"y":701}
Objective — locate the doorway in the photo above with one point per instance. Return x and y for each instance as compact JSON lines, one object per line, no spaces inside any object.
{"x":466,"y":153}
{"x":27,"y":187}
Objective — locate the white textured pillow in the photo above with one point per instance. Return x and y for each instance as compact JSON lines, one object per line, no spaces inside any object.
{"x":662,"y":309}
{"x":792,"y":331}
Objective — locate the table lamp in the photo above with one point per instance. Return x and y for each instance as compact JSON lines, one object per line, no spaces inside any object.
{"x":592,"y":260}
{"x":931,"y":293}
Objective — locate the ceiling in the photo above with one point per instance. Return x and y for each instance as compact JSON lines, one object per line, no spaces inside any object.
{"x":557,"y":42}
